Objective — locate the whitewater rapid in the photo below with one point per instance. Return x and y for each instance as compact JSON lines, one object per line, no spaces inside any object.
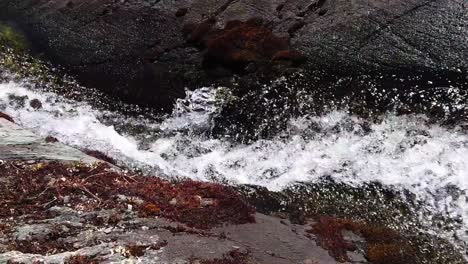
{"x":402,"y":152}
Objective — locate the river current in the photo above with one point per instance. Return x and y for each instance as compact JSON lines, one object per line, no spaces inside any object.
{"x":400,"y":152}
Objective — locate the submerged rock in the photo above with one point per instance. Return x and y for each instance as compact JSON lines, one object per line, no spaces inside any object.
{"x":35,"y":103}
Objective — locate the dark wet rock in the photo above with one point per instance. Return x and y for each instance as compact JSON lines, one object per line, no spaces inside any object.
{"x":99,"y":155}
{"x":6,"y":117}
{"x":108,"y":45}
{"x":35,"y":103}
{"x":181,"y":12}
{"x":50,"y":139}
{"x":17,"y":101}
{"x":140,"y":50}
{"x":259,"y":107}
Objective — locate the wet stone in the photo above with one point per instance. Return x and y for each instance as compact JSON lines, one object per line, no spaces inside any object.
{"x":36,"y":104}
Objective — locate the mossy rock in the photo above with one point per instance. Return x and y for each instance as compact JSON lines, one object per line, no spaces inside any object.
{"x":12,"y":38}
{"x":16,"y":57}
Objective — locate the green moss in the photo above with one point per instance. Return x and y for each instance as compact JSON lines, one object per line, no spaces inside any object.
{"x":24,"y":65}
{"x":11,"y":38}
{"x":15,"y":58}
{"x":14,"y":54}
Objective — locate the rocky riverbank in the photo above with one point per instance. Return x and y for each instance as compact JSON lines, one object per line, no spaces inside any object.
{"x":60,"y":205}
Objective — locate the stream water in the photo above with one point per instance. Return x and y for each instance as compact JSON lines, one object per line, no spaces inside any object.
{"x":401,"y":152}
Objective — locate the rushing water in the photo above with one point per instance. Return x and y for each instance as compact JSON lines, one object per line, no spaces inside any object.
{"x":401,"y":152}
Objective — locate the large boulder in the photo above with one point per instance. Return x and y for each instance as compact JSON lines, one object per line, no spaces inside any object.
{"x":397,"y":34}
{"x":148,"y":51}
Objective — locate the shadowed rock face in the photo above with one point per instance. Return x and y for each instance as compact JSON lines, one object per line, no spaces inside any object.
{"x":137,"y":50}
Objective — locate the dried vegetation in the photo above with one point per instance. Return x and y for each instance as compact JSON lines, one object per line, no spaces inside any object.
{"x":30,"y":189}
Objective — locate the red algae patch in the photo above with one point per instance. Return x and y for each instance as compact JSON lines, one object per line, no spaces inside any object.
{"x":7,"y":117}
{"x":329,"y":231}
{"x":43,"y":246}
{"x":28,"y":190}
{"x":240,"y":43}
{"x":383,"y":245}
{"x":78,"y":259}
{"x":139,"y":250}
{"x":234,"y":257}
